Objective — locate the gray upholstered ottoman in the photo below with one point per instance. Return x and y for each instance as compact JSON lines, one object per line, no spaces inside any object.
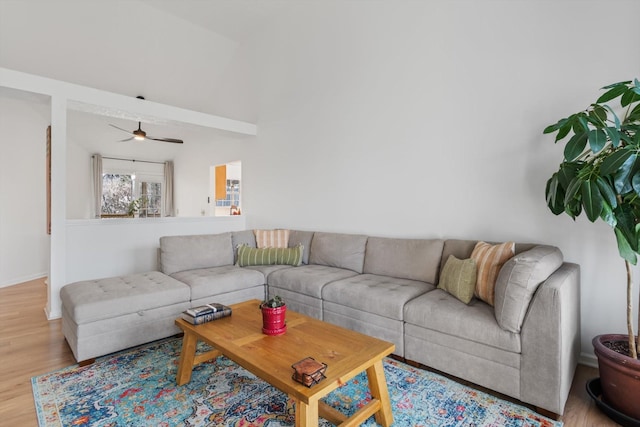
{"x":107,"y":315}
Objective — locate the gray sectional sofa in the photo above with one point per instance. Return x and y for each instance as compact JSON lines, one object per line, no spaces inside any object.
{"x":526,"y":346}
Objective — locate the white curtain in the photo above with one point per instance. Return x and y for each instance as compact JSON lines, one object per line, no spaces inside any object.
{"x":96,"y":175}
{"x":167,"y":195}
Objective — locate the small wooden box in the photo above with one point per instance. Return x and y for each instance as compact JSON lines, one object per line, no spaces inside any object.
{"x":308,"y":371}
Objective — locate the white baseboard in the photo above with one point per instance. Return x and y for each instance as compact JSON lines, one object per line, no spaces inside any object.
{"x":18,"y":280}
{"x":588,"y":359}
{"x":51,"y":315}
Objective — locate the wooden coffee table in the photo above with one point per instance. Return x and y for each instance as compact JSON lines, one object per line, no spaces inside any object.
{"x":347,"y":353}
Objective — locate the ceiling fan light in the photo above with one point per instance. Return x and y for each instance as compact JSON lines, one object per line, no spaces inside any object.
{"x":139,"y":134}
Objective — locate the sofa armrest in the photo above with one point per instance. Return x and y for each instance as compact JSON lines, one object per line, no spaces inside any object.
{"x":551,"y":340}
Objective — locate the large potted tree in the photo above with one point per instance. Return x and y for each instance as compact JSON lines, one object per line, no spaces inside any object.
{"x":600,"y":176}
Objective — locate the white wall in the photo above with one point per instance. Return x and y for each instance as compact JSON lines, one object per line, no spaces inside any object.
{"x":24,"y":243}
{"x":425,"y":119}
{"x":122,"y":46}
{"x":130,"y":245}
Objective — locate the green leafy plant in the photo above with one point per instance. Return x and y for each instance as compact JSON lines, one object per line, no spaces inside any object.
{"x":133,"y":207}
{"x":274,"y":302}
{"x":600,"y":173}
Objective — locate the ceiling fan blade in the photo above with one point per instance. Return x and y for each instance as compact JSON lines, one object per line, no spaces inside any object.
{"x":123,"y":130}
{"x":175,"y":141}
{"x":128,"y":139}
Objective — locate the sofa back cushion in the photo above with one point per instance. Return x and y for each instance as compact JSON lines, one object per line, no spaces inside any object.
{"x":299,"y":237}
{"x":338,"y":250}
{"x":415,"y":259}
{"x":518,"y":280}
{"x":179,"y":253}
{"x":244,"y":237}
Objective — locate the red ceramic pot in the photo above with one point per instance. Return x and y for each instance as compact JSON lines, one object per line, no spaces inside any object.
{"x":273,"y":320}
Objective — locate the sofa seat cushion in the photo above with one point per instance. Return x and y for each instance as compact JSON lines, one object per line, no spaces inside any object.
{"x":308,"y":279}
{"x":205,"y":282}
{"x":93,"y":300}
{"x":381,"y":295}
{"x":266,"y":270}
{"x":476,"y":322}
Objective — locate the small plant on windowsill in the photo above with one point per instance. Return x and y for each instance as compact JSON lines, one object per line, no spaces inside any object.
{"x":273,"y":316}
{"x":134,"y":205}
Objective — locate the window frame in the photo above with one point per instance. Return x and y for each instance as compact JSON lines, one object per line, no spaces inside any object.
{"x":150,"y":172}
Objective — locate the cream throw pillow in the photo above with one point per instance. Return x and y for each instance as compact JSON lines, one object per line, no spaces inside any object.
{"x":272,"y":238}
{"x":458,"y":278}
{"x":490,"y":259}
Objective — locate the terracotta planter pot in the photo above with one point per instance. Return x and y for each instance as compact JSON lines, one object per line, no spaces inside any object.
{"x":619,"y":376}
{"x":273,"y":320}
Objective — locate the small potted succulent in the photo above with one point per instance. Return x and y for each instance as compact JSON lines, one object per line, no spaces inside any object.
{"x":600,"y":176}
{"x":273,"y":316}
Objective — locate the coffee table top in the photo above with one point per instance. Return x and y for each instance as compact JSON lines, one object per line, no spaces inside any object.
{"x":239,"y":337}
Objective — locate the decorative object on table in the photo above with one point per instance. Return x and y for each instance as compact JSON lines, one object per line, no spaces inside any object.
{"x":600,"y":175}
{"x":274,"y":312}
{"x":206,"y":313}
{"x":308,"y":371}
{"x":137,"y":387}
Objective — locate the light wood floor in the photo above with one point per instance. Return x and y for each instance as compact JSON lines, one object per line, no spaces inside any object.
{"x":30,"y":345}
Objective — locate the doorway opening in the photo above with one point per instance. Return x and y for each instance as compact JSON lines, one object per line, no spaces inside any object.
{"x":226,"y":189}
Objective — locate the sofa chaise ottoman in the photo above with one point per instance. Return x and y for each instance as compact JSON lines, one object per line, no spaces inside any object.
{"x":106,"y":315}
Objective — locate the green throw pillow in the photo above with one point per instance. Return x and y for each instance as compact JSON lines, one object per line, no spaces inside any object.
{"x":458,"y":278}
{"x":269,"y":256}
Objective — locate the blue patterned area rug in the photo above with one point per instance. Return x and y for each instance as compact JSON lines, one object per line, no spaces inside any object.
{"x":137,"y":387}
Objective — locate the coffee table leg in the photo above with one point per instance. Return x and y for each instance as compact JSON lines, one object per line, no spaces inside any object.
{"x":306,"y":414}
{"x":378,"y":388}
{"x":187,"y":356}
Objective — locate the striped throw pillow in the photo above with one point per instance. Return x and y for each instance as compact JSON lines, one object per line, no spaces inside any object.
{"x":269,"y":256}
{"x":272,"y":238}
{"x":489,"y":260}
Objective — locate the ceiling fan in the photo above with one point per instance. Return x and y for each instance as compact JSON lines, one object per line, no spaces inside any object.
{"x":140,"y":135}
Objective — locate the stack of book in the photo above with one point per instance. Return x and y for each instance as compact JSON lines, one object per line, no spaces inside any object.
{"x":206,"y":313}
